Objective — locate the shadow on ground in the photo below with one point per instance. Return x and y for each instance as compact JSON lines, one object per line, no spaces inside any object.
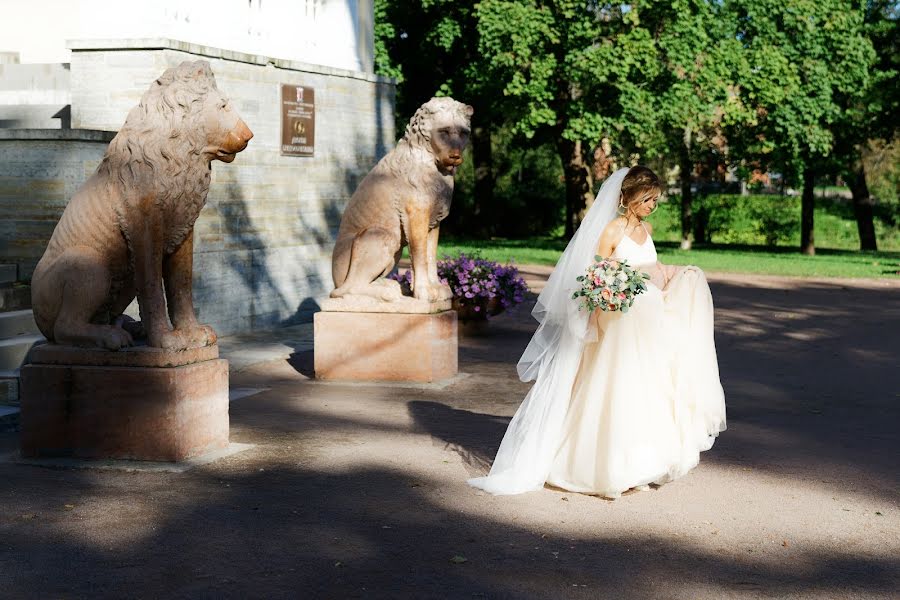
{"x":336,"y":500}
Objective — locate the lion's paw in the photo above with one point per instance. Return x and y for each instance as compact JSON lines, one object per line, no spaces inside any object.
{"x":429,"y":293}
{"x":200,"y":336}
{"x":115,"y":338}
{"x":170,"y":340}
{"x":390,"y":290}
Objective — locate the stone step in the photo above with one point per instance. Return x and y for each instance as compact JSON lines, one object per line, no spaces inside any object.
{"x":17,"y":322}
{"x":17,"y":297}
{"x":14,"y":350}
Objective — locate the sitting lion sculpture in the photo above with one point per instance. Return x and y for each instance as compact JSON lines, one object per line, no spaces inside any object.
{"x":130,"y":228}
{"x":402,"y":201}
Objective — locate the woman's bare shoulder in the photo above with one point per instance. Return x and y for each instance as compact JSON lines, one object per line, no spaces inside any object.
{"x":648,"y":226}
{"x":613,"y":231}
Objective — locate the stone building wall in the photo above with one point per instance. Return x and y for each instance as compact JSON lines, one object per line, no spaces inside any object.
{"x":263,"y":242}
{"x":39,"y":171}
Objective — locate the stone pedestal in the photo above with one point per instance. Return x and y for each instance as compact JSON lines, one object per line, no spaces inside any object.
{"x":139,"y":404}
{"x":385,"y":346}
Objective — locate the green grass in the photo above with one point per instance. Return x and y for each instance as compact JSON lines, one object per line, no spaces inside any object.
{"x":713,"y":258}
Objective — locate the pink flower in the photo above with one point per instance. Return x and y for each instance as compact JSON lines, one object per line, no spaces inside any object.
{"x":606,"y":293}
{"x":614,"y":264}
{"x":621,"y":296}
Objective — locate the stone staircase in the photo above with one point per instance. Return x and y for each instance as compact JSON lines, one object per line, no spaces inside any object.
{"x":18,"y":334}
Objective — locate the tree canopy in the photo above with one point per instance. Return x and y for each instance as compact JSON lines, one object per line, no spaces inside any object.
{"x":704,"y":86}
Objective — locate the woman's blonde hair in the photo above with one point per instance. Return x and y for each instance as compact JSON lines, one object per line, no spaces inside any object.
{"x":638,"y":184}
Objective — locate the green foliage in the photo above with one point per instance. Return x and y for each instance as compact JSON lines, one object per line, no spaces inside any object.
{"x":385,"y":32}
{"x":809,"y":61}
{"x":580,"y":70}
{"x":528,"y":191}
{"x":774,"y":221}
{"x":882,"y":164}
{"x":752,"y":84}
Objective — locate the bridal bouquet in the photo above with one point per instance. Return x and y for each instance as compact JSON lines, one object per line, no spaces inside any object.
{"x":610,"y":285}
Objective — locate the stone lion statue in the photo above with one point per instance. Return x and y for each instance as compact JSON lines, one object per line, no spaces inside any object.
{"x":403,"y":201}
{"x":130,"y":228}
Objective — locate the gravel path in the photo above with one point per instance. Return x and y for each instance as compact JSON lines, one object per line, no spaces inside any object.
{"x":358,"y":491}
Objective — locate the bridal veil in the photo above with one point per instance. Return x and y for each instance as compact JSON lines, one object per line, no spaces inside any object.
{"x":551,"y":359}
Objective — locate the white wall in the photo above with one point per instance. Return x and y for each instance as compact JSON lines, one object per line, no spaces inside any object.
{"x":335,"y":33}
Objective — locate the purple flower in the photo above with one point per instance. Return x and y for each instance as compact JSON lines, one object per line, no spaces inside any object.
{"x":476,"y":281}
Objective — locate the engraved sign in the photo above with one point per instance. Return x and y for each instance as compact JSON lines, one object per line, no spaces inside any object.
{"x":298,"y":120}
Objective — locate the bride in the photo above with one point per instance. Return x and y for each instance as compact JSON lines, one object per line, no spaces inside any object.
{"x":620,"y":400}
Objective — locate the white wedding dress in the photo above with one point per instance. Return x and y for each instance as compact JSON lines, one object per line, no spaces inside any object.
{"x":620,"y":399}
{"x":647,"y":399}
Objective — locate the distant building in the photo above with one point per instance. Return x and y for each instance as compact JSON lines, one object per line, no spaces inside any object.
{"x":70,"y":71}
{"x":333,"y":33}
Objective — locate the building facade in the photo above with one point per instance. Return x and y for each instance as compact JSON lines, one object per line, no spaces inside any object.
{"x":263,"y":242}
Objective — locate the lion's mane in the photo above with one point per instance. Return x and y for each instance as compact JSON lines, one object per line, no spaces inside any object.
{"x":161,"y":144}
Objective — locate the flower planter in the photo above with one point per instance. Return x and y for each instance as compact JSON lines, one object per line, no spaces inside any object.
{"x":491,"y":308}
{"x":475,"y":282}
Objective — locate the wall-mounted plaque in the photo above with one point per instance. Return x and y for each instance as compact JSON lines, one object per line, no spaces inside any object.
{"x":298,"y":120}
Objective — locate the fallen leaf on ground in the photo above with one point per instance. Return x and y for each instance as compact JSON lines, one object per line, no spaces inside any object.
{"x":69,"y":506}
{"x":458,"y":560}
{"x":785,"y":543}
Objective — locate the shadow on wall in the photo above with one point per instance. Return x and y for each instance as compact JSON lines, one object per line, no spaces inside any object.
{"x":251,"y":257}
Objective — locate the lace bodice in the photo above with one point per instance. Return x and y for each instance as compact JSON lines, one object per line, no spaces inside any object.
{"x":636,"y":254}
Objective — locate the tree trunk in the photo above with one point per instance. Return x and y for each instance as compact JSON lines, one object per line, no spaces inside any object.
{"x":687,"y":200}
{"x":807,"y":228}
{"x":578,"y":183}
{"x":863,"y":207}
{"x":483,"y":159}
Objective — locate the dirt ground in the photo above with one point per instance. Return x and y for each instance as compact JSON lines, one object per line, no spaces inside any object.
{"x":358,"y":491}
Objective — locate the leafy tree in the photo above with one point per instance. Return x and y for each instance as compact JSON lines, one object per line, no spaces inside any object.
{"x":809,"y":60}
{"x":870,"y":116}
{"x":431,"y":47}
{"x":573,"y":72}
{"x":698,"y":86}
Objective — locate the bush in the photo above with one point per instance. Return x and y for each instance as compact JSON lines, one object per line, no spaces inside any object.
{"x":529,"y":193}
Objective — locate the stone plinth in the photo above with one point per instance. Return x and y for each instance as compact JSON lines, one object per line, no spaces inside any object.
{"x":367,"y":304}
{"x":378,"y":346}
{"x":140,"y":404}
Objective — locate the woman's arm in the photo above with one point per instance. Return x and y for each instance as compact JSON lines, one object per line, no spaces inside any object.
{"x":662,"y":274}
{"x":609,"y":239}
